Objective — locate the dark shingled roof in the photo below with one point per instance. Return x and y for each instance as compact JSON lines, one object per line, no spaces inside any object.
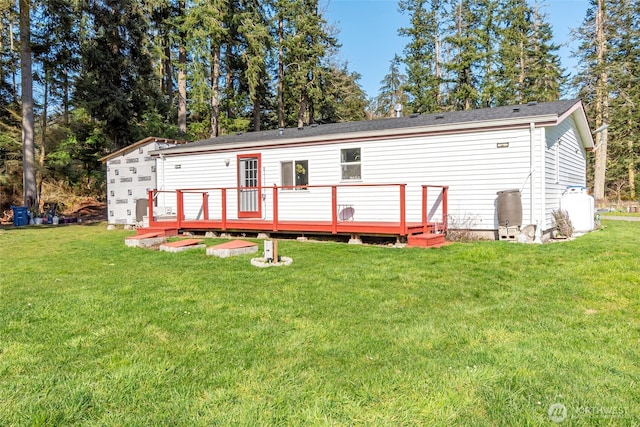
{"x":557,"y":108}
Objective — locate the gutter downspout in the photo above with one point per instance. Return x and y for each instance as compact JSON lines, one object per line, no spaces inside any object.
{"x":543,"y":186}
{"x":532,"y":130}
{"x":162,"y":158}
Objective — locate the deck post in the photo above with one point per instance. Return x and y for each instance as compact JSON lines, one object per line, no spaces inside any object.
{"x":424,"y":209}
{"x":275,"y":208}
{"x":205,"y":206}
{"x":179,"y":208}
{"x":152,"y":220}
{"x":403,"y":209}
{"x":445,"y":207}
{"x":334,"y":209}
{"x":224,"y":208}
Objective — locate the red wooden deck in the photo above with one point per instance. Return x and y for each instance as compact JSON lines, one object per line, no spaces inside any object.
{"x":228,"y":223}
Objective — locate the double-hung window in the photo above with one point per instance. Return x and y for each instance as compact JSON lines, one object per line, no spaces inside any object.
{"x":295,"y":173}
{"x":350,"y":164}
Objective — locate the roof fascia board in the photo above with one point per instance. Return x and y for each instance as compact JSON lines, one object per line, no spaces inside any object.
{"x":138,"y":144}
{"x":582,"y":124}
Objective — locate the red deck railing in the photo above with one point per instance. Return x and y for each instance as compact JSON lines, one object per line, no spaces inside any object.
{"x":224,"y":221}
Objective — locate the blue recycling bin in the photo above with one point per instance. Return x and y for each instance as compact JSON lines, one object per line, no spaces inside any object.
{"x":20,"y":216}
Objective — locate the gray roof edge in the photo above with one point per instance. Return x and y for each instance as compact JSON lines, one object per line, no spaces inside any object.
{"x":547,"y":114}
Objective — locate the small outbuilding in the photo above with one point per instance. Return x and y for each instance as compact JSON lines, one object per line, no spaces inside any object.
{"x":360,"y":177}
{"x":131,"y":174}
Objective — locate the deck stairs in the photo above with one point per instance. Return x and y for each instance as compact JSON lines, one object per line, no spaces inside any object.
{"x":426,"y":240}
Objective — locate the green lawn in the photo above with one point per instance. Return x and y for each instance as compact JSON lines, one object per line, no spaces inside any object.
{"x":482,"y":334}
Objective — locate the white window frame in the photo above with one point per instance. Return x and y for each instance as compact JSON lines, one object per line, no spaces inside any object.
{"x":344,"y":163}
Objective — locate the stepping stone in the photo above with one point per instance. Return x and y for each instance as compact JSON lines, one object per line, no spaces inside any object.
{"x":182,"y":245}
{"x":145,"y":240}
{"x":233,"y":248}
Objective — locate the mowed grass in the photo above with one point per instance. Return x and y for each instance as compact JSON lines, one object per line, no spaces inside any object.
{"x":485,"y":334}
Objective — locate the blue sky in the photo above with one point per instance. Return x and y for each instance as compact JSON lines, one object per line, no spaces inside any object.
{"x":369,"y":34}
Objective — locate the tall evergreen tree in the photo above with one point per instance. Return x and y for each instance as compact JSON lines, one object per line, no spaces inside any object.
{"x":624,"y":58}
{"x":28,"y":148}
{"x":254,"y":29}
{"x":465,"y":57}
{"x":9,"y":52}
{"x":487,"y":36}
{"x":7,"y":60}
{"x":545,"y":75}
{"x":423,"y":53}
{"x":306,"y":43}
{"x":391,"y":91}
{"x":181,"y":40}
{"x":117,"y":83}
{"x":206,"y":26}
{"x":514,"y":63}
{"x":593,"y":81}
{"x":342,"y":100}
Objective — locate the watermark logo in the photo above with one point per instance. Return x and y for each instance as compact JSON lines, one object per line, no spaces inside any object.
{"x":557,"y":412}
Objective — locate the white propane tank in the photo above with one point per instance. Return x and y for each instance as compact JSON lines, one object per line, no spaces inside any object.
{"x":580,"y":207}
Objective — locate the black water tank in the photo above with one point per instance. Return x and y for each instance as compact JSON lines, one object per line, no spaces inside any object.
{"x":509,"y":208}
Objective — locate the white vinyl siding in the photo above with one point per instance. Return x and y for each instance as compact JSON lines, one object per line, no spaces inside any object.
{"x":470,"y":164}
{"x":564,"y":153}
{"x":475,"y":166}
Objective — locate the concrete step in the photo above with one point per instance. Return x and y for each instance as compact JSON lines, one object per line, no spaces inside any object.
{"x":233,"y":248}
{"x":182,"y":245}
{"x":146,"y":240}
{"x":167,"y":232}
{"x":426,"y":240}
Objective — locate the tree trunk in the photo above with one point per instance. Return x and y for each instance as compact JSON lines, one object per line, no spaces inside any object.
{"x":1,"y":50}
{"x":632,"y":172}
{"x":215,"y":92}
{"x":256,"y":114}
{"x":601,"y":107}
{"x":14,"y":84}
{"x":438,"y":65}
{"x":280,"y":72}
{"x":66,"y":101}
{"x":302,"y":108}
{"x":168,"y":71}
{"x":522,"y":75}
{"x":230,"y":75}
{"x":182,"y":90}
{"x":182,"y":80}
{"x":43,"y":125}
{"x":28,"y":151}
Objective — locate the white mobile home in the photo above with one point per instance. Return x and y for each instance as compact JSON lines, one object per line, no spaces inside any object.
{"x":131,"y":173}
{"x":380,"y":168}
